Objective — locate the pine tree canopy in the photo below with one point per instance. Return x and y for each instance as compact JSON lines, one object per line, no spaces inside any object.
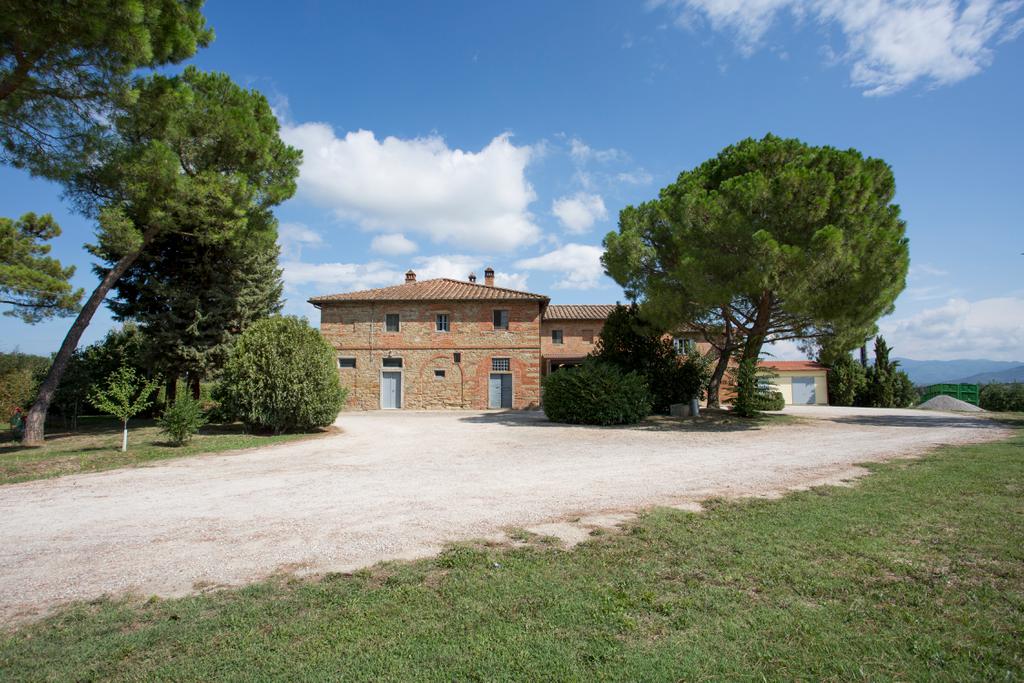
{"x":780,"y":239}
{"x":63,"y":73}
{"x":34,"y":284}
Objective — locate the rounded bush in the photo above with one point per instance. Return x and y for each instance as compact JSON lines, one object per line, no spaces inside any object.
{"x":596,"y":394}
{"x":280,"y":376}
{"x":772,"y":400}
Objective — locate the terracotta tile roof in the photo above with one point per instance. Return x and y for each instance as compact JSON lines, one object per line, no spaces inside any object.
{"x":578,"y":311}
{"x":792,"y":365}
{"x":440,"y":289}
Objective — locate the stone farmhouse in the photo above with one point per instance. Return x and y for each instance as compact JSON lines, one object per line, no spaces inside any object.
{"x":445,"y":343}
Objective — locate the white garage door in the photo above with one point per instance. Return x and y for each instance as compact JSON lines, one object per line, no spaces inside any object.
{"x":804,"y":391}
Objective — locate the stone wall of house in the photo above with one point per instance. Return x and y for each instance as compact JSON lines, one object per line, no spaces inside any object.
{"x":357,"y":330}
{"x":579,"y":337}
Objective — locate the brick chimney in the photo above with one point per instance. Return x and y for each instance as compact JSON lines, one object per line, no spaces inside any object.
{"x":472,"y":278}
{"x":410,"y":276}
{"x":489,"y":277}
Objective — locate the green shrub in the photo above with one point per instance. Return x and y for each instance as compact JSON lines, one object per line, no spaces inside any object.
{"x":182,"y":420}
{"x":634,"y":344}
{"x":905,"y":394}
{"x":281,"y":376}
{"x":847,"y":380}
{"x":596,"y":393}
{"x":1003,"y":397}
{"x":771,"y":400}
{"x":19,"y":379}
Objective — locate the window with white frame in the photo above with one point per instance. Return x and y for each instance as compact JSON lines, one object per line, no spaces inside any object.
{"x":500,"y":319}
{"x":346,"y":363}
{"x":441,"y":322}
{"x":682,"y":345}
{"x":501,"y":364}
{"x":391,"y":362}
{"x":556,"y":336}
{"x":439,"y":374}
{"x":391,"y":322}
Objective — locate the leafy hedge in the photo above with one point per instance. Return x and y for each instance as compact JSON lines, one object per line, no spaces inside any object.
{"x":1003,"y":397}
{"x":281,"y":376}
{"x":772,"y":400}
{"x":596,"y":393}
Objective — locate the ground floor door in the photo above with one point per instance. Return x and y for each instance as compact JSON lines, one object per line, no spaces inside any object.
{"x":499,"y":394}
{"x":804,"y":391}
{"x":391,"y":390}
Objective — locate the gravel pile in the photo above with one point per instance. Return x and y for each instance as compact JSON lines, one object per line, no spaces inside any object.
{"x":943,"y":402}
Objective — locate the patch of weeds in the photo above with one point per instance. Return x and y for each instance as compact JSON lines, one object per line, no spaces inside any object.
{"x":462,"y":557}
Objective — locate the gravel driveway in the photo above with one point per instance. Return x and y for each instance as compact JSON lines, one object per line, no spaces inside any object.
{"x":400,"y":485}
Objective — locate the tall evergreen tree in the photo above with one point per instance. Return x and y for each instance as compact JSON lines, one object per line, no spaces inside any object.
{"x":881,"y":382}
{"x":192,"y":298}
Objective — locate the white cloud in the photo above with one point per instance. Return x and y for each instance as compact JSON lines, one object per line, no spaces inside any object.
{"x":395,"y":244}
{"x":580,"y":265}
{"x":330,"y":278}
{"x":475,"y":200}
{"x":579,"y":212}
{"x":987,"y":328}
{"x":582,"y":152}
{"x":602,"y":169}
{"x":637,"y":177}
{"x":291,"y":237}
{"x":457,"y":266}
{"x":889,"y":43}
{"x":511,"y":280}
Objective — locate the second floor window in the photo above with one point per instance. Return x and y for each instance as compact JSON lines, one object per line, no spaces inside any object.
{"x":441,"y":323}
{"x":500,"y":319}
{"x":556,"y":336}
{"x":391,"y":323}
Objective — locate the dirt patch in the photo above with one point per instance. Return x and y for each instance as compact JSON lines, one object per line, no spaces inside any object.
{"x":402,"y":485}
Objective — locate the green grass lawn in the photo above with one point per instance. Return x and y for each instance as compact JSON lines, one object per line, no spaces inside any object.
{"x":97,"y":442}
{"x":915,"y":573}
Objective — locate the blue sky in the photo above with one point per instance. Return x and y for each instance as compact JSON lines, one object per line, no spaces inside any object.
{"x":450,"y":136}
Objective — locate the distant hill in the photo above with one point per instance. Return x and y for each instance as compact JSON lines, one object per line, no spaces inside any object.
{"x":937,"y":371}
{"x":1002,"y":376}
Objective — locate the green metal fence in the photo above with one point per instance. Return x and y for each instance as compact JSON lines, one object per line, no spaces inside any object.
{"x":964,"y":392}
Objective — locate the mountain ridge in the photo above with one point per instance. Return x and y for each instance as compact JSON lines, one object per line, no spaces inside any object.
{"x":966,"y":370}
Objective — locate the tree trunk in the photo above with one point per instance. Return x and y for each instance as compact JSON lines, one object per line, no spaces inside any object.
{"x":194,"y":384}
{"x":725,"y":354}
{"x":124,"y":437}
{"x":759,"y":330}
{"x":35,"y":424}
{"x":171,"y":390}
{"x":715,"y":383}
